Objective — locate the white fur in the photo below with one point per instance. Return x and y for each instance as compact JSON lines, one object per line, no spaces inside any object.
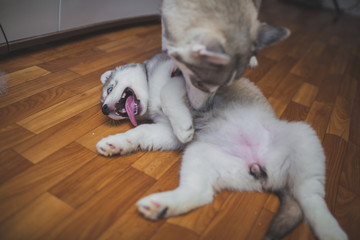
{"x":238,"y":129}
{"x":291,"y":152}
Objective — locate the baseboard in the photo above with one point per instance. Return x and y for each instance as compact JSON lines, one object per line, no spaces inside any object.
{"x":56,"y":36}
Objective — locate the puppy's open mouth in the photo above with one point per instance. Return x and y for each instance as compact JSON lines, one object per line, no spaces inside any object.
{"x":128,"y":105}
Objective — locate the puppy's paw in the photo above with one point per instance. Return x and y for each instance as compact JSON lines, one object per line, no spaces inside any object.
{"x":253,"y":63}
{"x":184,"y":133}
{"x":114,"y":145}
{"x":151,"y":208}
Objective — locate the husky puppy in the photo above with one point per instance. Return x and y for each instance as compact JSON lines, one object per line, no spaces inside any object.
{"x":212,"y":41}
{"x":237,"y":133}
{"x":151,"y":90}
{"x":239,"y":129}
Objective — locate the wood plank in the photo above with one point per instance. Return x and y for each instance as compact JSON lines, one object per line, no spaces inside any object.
{"x":270,"y":81}
{"x":139,"y":30}
{"x":86,"y":82}
{"x":340,"y":61}
{"x":133,"y":226}
{"x":25,"y":75}
{"x":44,"y":144}
{"x":295,"y":112}
{"x":93,"y":217}
{"x":272,"y":203}
{"x":110,"y":127}
{"x":119,"y":44}
{"x":265,"y":64}
{"x":35,"y":86}
{"x":90,"y":179}
{"x":71,"y":59}
{"x":317,"y":75}
{"x":61,"y":111}
{"x":11,"y":164}
{"x":173,"y":232}
{"x":17,"y":62}
{"x":301,"y":232}
{"x":283,"y":93}
{"x":99,"y":61}
{"x":199,"y":219}
{"x":261,"y":225}
{"x":350,"y":175}
{"x":69,"y":47}
{"x":35,"y":219}
{"x":310,"y":60}
{"x":355,"y":119}
{"x":28,"y":185}
{"x":335,"y":157}
{"x":347,"y":212}
{"x":339,"y":123}
{"x":13,"y":134}
{"x":319,"y":116}
{"x":306,"y":94}
{"x":33,"y":104}
{"x":155,"y":164}
{"x":348,"y":88}
{"x":238,"y":206}
{"x":329,"y":89}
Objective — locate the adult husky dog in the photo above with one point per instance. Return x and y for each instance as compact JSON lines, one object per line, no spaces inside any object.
{"x":234,"y":132}
{"x":212,"y":41}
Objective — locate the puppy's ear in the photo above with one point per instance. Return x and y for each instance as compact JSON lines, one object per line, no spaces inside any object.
{"x":105,"y":76}
{"x":269,"y":35}
{"x":214,"y":56}
{"x":204,"y":49}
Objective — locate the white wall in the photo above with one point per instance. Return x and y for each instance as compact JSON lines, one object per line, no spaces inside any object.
{"x":28,"y":18}
{"x":82,"y":12}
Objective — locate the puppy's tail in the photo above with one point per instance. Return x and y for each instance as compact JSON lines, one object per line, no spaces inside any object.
{"x":289,"y":215}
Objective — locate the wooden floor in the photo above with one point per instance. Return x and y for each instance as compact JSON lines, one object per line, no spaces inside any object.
{"x":54,"y":185}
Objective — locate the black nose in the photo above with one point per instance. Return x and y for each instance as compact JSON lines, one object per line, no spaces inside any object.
{"x":105,"y":109}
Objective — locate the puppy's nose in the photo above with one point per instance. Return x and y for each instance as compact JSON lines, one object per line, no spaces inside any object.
{"x":105,"y":109}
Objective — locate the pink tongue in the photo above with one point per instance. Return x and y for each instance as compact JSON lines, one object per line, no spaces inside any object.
{"x":130,"y":109}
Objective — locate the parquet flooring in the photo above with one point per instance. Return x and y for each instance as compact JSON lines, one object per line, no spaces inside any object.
{"x":54,"y":185}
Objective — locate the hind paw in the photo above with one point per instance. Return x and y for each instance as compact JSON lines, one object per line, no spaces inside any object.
{"x":113,"y":145}
{"x":152,"y":209}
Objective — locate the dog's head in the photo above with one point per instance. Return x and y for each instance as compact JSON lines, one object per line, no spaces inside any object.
{"x":125,"y":92}
{"x":208,"y":60}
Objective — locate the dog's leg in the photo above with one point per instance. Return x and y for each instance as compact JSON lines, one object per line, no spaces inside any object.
{"x":157,"y":136}
{"x":205,"y":167}
{"x":174,"y":105}
{"x":310,"y":195}
{"x":195,"y":188}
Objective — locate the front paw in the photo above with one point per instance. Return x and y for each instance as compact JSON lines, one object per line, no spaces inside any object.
{"x":253,"y":63}
{"x":112,"y":145}
{"x":184,"y":133}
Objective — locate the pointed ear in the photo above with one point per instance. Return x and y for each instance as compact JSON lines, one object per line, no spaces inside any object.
{"x":269,"y":35}
{"x":201,"y":52}
{"x":105,"y":76}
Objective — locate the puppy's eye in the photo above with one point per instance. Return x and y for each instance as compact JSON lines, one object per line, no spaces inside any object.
{"x":109,"y":90}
